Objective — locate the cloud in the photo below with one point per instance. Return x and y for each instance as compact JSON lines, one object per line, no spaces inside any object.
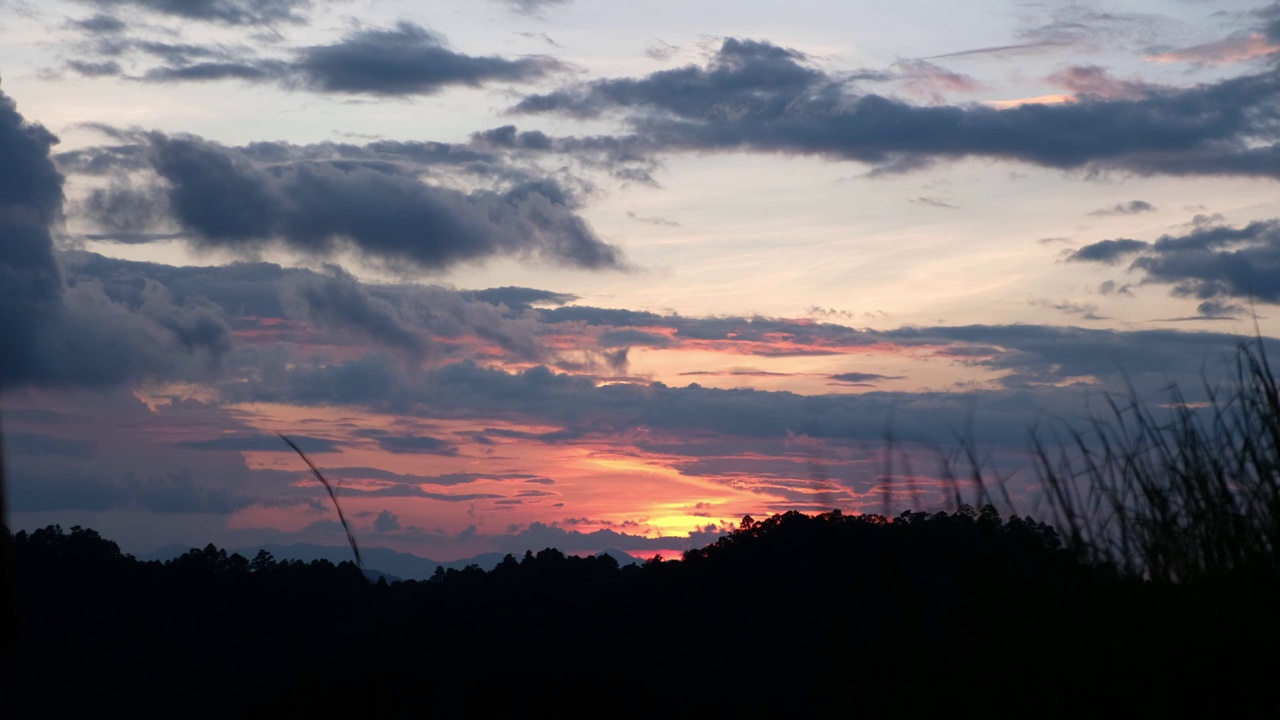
{"x":39,"y":444}
{"x":759,"y":97}
{"x":231,"y":12}
{"x":1107,"y":251}
{"x":1233,"y":49}
{"x":520,"y":297}
{"x":386,"y":522}
{"x":173,"y":493}
{"x":930,"y":81}
{"x":531,"y":7}
{"x":412,"y":444}
{"x":1045,"y":359}
{"x":261,"y":443}
{"x":660,"y":221}
{"x":30,"y":202}
{"x":1086,"y":311}
{"x":861,"y":377}
{"x":406,"y":60}
{"x":660,"y":50}
{"x":227,"y":198}
{"x":340,"y":302}
{"x":1097,"y":81}
{"x":932,"y":201}
{"x":627,"y":337}
{"x":99,"y":24}
{"x":1211,"y":262}
{"x":1133,"y":207}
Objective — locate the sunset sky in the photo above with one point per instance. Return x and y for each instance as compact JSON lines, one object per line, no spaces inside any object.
{"x":588,"y":274}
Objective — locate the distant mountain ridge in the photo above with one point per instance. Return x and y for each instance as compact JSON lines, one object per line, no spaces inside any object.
{"x":394,"y":564}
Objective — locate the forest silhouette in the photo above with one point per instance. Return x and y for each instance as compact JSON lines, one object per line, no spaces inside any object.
{"x":794,"y":615}
{"x":1154,"y":592}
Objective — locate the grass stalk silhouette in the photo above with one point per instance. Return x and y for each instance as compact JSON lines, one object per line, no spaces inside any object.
{"x":333,"y":495}
{"x":1188,"y":496}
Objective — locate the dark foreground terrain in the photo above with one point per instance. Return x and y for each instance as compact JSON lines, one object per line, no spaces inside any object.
{"x":794,"y":616}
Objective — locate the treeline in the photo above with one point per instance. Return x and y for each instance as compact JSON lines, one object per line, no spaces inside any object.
{"x":794,"y":615}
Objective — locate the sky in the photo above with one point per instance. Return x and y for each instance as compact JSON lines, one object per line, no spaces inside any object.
{"x":582,"y":274}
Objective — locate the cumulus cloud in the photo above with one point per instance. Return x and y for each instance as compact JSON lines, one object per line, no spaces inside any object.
{"x":76,"y":333}
{"x":1211,"y":262}
{"x":756,"y":96}
{"x":406,"y":60}
{"x":229,"y":198}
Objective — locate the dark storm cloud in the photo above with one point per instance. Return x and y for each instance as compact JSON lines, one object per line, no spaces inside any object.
{"x":755,"y":96}
{"x":58,"y":333}
{"x":406,"y":60}
{"x":1133,"y":207}
{"x":231,"y":12}
{"x":1211,"y":262}
{"x":226,"y":199}
{"x":30,"y":202}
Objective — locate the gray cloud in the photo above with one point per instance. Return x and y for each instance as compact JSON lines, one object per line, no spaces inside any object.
{"x":1097,"y":81}
{"x":410,"y":444}
{"x":406,"y":60}
{"x":231,"y":12}
{"x":932,"y":201}
{"x":340,"y":302}
{"x":759,"y":97}
{"x":628,"y":336}
{"x":520,"y":297}
{"x":862,"y":377}
{"x":1211,"y":262}
{"x":259,"y":443}
{"x":1107,"y":251}
{"x":30,"y":202}
{"x":226,"y":198}
{"x":1133,"y":207}
{"x":386,"y":522}
{"x":175,"y":492}
{"x":531,"y":7}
